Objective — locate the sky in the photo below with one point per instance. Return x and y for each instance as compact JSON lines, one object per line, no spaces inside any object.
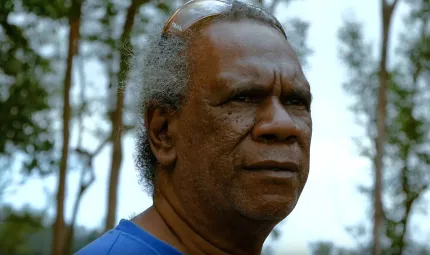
{"x":330,"y":201}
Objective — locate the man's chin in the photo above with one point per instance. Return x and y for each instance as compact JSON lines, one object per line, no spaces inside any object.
{"x":272,"y":208}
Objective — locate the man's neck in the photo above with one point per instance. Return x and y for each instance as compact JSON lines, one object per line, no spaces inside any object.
{"x":168,"y":221}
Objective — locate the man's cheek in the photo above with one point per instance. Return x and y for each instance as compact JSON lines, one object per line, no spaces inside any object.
{"x":197,"y":127}
{"x":236,"y":121}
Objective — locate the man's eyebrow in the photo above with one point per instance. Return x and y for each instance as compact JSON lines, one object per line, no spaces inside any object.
{"x":249,"y":85}
{"x":241,"y":85}
{"x":234,"y":79}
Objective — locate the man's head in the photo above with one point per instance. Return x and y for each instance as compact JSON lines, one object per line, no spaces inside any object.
{"x":227,"y":117}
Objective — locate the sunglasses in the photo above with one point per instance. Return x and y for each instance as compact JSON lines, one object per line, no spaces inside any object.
{"x":196,"y":10}
{"x":192,"y":12}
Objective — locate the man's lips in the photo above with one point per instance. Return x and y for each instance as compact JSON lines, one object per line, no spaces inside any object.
{"x":272,"y":165}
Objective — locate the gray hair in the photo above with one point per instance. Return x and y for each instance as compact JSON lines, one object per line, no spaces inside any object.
{"x":164,"y":75}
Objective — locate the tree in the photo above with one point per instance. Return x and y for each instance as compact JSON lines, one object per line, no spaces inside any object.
{"x":30,"y":82}
{"x":59,"y":235}
{"x":26,"y":145}
{"x":16,"y":227}
{"x":23,"y":231}
{"x":329,"y":248}
{"x":118,"y":78}
{"x":31,"y":97}
{"x":387,"y":13}
{"x":393,"y":120}
{"x":271,"y":5}
{"x":407,"y":134}
{"x":117,"y":116}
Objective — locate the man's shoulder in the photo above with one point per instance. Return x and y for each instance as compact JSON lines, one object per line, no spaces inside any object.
{"x":116,"y":242}
{"x":101,"y":245}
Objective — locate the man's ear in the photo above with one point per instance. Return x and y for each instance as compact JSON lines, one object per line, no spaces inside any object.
{"x":161,"y":129}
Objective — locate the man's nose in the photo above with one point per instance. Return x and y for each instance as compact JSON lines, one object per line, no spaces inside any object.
{"x":274,"y":123}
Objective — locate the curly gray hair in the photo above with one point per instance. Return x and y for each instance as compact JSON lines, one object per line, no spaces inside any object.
{"x":164,"y":73}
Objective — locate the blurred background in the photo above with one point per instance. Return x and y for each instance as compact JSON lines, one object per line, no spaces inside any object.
{"x":68,"y":110}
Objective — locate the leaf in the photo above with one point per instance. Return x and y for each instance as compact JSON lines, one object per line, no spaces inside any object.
{"x":164,"y":7}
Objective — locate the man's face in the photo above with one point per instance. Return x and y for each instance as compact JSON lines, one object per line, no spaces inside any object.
{"x":244,"y":133}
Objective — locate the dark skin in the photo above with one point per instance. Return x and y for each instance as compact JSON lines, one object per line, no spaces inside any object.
{"x":235,"y":159}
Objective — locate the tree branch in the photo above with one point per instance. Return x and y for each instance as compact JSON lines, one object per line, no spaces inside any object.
{"x":118,"y":113}
{"x":273,"y":6}
{"x":60,"y":230}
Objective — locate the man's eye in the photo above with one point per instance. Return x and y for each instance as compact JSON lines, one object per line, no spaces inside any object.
{"x":296,"y":102}
{"x":243,"y":99}
{"x":246,"y":99}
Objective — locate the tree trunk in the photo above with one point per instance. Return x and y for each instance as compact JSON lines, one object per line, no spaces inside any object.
{"x":83,"y":186}
{"x":404,"y":223}
{"x":59,"y":230}
{"x":117,"y":116}
{"x":387,"y":11}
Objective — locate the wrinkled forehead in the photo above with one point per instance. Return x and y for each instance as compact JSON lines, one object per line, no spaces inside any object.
{"x":229,"y":36}
{"x":239,"y":46}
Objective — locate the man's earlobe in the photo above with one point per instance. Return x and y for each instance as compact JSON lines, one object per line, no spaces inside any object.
{"x":161,"y":129}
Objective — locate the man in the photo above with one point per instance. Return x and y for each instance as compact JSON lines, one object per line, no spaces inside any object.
{"x":226,"y":138}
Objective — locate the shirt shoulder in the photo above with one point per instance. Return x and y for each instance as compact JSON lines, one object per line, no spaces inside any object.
{"x":115,"y":242}
{"x":127,"y":239}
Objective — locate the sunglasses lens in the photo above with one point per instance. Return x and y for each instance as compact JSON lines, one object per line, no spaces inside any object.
{"x":192,"y":12}
{"x":195,"y":10}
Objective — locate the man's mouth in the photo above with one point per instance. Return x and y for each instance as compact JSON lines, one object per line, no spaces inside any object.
{"x":272,"y":165}
{"x":273,"y":169}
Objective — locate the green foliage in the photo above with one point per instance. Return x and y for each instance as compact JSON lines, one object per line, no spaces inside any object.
{"x":15,"y":229}
{"x":362,"y":71}
{"x":329,"y":248}
{"x":29,"y":108}
{"x":28,"y":232}
{"x":23,"y":97}
{"x":54,"y":9}
{"x":164,"y":7}
{"x":297,"y":34}
{"x":408,"y":132}
{"x":407,"y":152}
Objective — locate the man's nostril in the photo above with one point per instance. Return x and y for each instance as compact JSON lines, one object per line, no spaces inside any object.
{"x":277,"y":138}
{"x":268,"y":138}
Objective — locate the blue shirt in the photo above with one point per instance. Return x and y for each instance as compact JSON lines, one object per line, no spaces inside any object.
{"x":128,"y":239}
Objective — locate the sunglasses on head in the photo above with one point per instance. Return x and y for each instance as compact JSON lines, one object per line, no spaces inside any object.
{"x":196,"y":10}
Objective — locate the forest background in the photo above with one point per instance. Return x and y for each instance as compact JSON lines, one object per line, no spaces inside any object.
{"x":67,"y":123}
